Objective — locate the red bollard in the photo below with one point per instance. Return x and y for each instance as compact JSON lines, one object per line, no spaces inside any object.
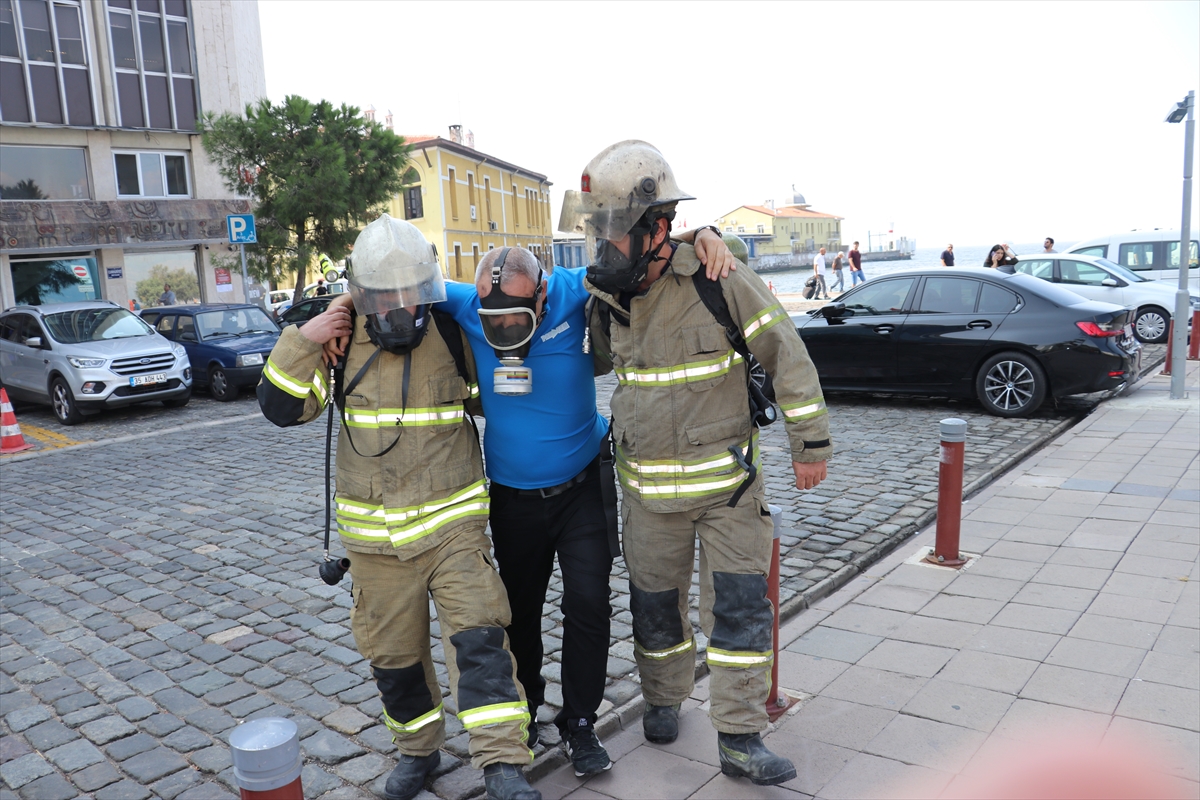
{"x":266,"y":759}
{"x":776,"y":704}
{"x":950,"y":488}
{"x":1194,"y":344}
{"x":1170,"y":341}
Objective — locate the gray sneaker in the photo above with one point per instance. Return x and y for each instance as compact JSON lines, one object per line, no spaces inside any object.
{"x":588,"y":756}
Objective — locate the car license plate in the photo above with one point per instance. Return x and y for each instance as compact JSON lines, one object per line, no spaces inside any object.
{"x":1129,"y":331}
{"x":146,"y":380}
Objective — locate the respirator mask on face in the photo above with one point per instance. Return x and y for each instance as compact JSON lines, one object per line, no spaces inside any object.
{"x":508,"y":325}
{"x":614,"y":272}
{"x":398,"y":331}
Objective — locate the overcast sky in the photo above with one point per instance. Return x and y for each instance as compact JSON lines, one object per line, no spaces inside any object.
{"x":966,"y":122}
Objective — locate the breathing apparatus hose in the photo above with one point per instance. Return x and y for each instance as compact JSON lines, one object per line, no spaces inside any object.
{"x":331,"y":570}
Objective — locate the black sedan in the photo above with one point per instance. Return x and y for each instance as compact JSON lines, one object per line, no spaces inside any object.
{"x":1008,"y":340}
{"x":305,"y":310}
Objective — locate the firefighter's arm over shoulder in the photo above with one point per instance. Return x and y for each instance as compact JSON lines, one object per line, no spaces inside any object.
{"x":295,"y":384}
{"x":773,"y":340}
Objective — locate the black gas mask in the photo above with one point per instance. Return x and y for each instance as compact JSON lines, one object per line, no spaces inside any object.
{"x":614,"y":272}
{"x":397,"y":331}
{"x":508,"y":325}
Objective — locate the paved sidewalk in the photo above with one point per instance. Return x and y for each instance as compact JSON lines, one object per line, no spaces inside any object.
{"x":1081,"y":618}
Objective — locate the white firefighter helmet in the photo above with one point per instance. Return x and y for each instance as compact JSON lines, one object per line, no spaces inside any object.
{"x":393,"y":266}
{"x":618,"y":186}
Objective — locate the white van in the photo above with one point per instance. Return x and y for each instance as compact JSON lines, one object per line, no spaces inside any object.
{"x":1153,"y":254}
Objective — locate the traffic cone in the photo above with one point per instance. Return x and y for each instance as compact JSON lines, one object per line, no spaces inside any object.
{"x":11,"y":440}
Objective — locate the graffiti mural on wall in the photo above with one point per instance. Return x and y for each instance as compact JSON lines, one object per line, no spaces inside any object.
{"x":30,"y":225}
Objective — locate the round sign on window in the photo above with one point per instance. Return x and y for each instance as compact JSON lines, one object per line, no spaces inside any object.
{"x":82,"y":273}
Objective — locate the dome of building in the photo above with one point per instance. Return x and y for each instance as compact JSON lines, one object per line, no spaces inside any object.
{"x":798,"y":199}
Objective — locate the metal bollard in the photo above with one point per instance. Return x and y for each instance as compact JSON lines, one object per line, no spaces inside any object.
{"x":777,"y":704}
{"x":950,"y":488}
{"x":1194,"y":344}
{"x":266,"y":759}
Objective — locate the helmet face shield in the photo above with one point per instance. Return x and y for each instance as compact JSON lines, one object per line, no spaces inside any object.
{"x":393,"y":266}
{"x":583,"y":213}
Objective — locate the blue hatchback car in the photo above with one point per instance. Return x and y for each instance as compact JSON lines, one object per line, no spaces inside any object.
{"x":227,"y":344}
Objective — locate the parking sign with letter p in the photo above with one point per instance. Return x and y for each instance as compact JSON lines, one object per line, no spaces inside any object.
{"x":241,"y":229}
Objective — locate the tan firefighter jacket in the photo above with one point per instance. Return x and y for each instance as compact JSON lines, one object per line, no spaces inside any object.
{"x":681,"y":399}
{"x":415,"y":494}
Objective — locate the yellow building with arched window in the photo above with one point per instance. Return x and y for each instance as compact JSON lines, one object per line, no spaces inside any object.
{"x":467,"y":202}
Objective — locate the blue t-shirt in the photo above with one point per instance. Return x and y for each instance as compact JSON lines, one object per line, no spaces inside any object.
{"x":548,"y":436}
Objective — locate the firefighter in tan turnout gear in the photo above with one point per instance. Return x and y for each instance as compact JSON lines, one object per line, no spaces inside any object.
{"x":412,"y":508}
{"x":688,"y":456}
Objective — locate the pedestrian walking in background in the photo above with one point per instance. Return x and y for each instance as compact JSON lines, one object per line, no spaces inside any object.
{"x":948,"y":256}
{"x":322,"y":289}
{"x":771,"y":286}
{"x":1049,"y":246}
{"x":839,"y":261}
{"x":1001,"y":257}
{"x":856,"y":273}
{"x":819,"y":274}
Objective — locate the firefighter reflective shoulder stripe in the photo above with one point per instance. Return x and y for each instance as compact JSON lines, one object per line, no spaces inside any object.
{"x":295,"y":386}
{"x":490,"y":715}
{"x":666,"y":480}
{"x":474,"y":390}
{"x":760,"y":322}
{"x":732,"y":658}
{"x":413,"y":725}
{"x":661,"y":654}
{"x":376,"y":523}
{"x":805,"y":409}
{"x":680,"y":374}
{"x":390,"y":417}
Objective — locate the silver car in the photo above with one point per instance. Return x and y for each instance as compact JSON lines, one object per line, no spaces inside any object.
{"x":80,"y":358}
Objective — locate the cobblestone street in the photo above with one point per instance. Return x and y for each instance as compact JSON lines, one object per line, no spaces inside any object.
{"x":160,"y":586}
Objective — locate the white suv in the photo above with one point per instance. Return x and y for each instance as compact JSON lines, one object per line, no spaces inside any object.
{"x":80,"y":358}
{"x":1152,"y":254}
{"x":1101,"y":279}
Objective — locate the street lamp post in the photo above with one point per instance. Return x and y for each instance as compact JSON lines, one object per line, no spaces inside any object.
{"x":1182,"y":111}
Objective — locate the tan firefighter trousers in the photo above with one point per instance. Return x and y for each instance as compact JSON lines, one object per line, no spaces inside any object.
{"x":735,"y":614}
{"x":390,"y":621}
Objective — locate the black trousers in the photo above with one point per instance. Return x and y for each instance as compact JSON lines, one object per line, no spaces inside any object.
{"x":527,"y":532}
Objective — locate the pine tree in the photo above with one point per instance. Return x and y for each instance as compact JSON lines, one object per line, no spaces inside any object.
{"x":314,"y":173}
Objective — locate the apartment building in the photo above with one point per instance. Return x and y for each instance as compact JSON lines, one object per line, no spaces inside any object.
{"x":105,"y":189}
{"x":467,"y":202}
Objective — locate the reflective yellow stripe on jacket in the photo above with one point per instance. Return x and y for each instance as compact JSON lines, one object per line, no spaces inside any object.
{"x":375,"y":523}
{"x":450,"y":414}
{"x":296,"y":387}
{"x":760,"y":322}
{"x":490,"y":715}
{"x":658,"y":655}
{"x":413,"y":725}
{"x":737,"y":658}
{"x":667,"y":479}
{"x":798,"y":412}
{"x":683,"y":373}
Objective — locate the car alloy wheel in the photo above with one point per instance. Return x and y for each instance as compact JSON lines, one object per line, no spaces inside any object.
{"x":1151,"y":326}
{"x":1011,"y":385}
{"x":63,"y":402}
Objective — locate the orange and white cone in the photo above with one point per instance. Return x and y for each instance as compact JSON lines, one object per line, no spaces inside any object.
{"x":11,"y":440}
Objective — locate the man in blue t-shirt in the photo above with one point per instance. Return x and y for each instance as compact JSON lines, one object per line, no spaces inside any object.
{"x":542,"y":455}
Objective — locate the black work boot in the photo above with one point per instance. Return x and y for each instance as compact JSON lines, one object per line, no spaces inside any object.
{"x":408,"y":778}
{"x":507,"y":782}
{"x":660,"y":724}
{"x":743,"y":755}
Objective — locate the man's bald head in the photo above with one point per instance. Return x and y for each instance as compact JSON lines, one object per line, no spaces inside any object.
{"x":518,"y":277}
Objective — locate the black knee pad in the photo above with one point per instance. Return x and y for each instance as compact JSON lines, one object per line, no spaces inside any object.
{"x":485,"y":674}
{"x":405,"y":693}
{"x":656,"y":622}
{"x":743,"y":618}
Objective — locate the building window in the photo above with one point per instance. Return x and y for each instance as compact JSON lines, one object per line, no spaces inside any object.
{"x":65,"y":279}
{"x":151,"y":174}
{"x":516,"y":216}
{"x":152,"y":59}
{"x":487,"y":197}
{"x":471,"y":188}
{"x":43,"y":173}
{"x":413,"y":208}
{"x":43,"y":63}
{"x":452,"y":188}
{"x":147,"y":273}
{"x":457,"y":262}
